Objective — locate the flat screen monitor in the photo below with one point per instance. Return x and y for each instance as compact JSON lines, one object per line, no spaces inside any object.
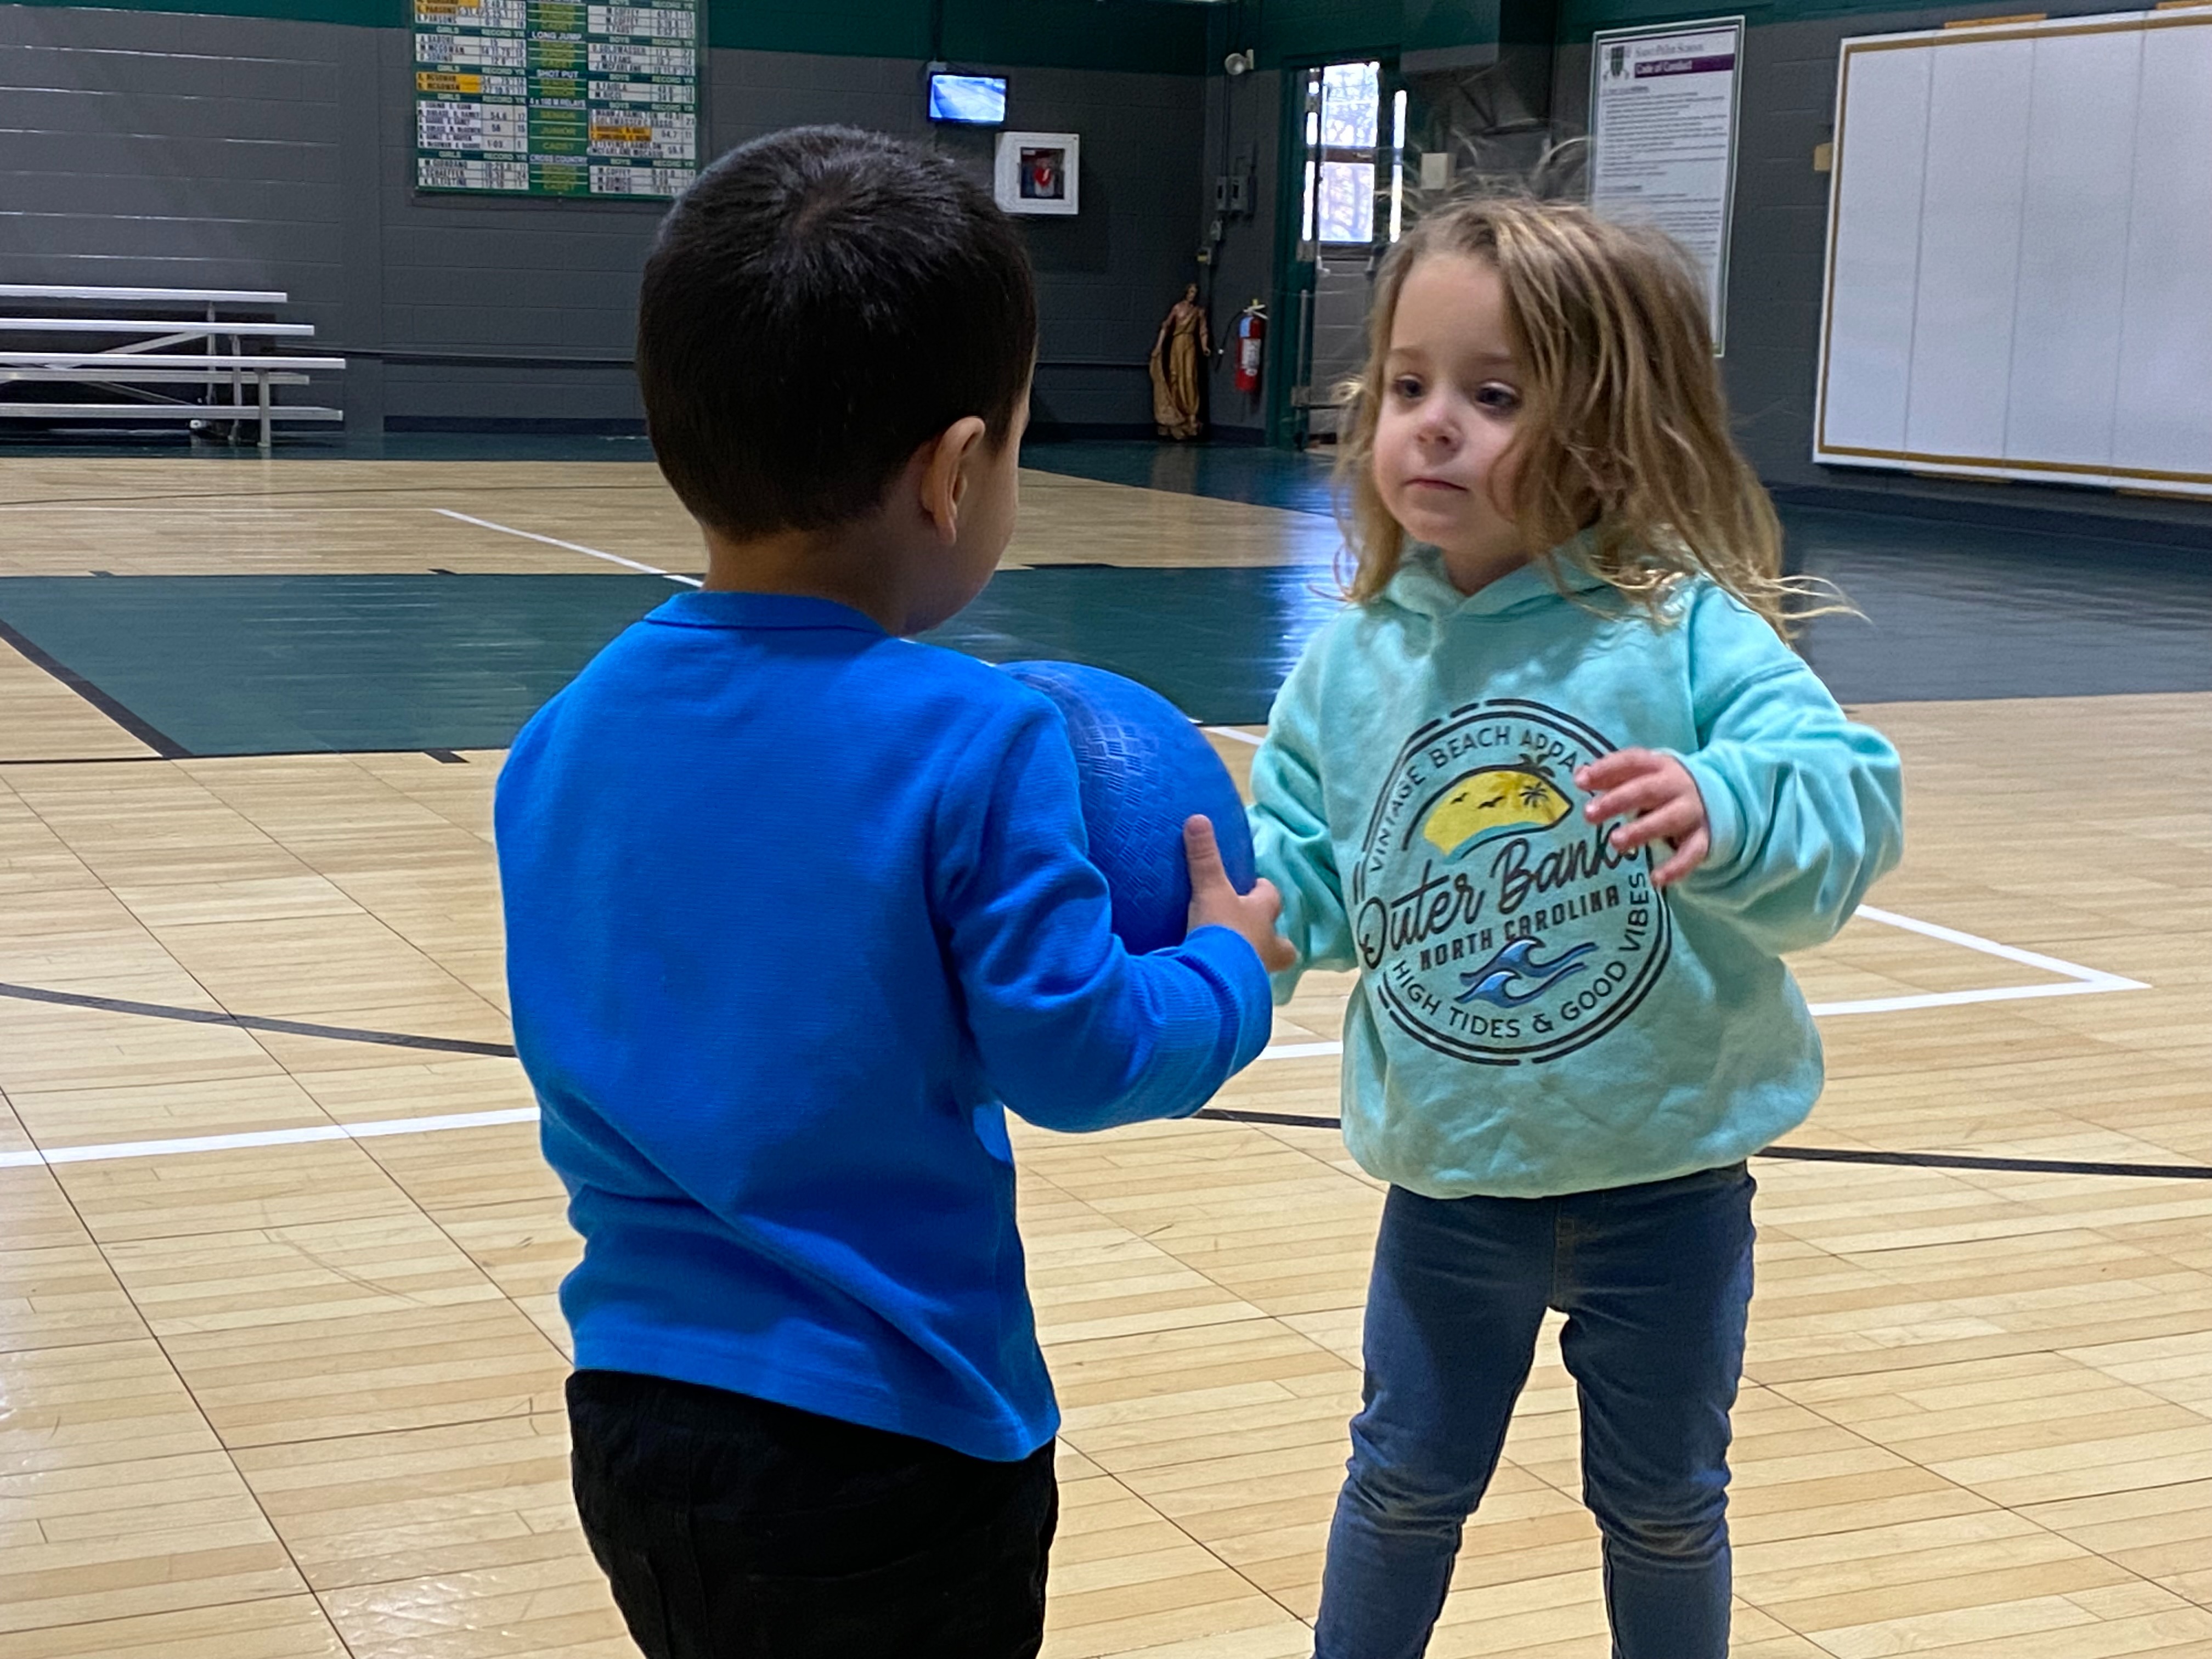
{"x":977,"y":100}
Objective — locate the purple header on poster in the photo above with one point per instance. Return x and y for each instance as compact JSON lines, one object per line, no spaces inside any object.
{"x":1685,"y":66}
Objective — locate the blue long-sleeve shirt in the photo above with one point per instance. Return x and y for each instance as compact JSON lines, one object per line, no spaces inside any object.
{"x":791,"y":907}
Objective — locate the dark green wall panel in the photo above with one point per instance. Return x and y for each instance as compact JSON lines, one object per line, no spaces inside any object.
{"x":367,"y":14}
{"x":879,"y":28}
{"x":1148,"y":36}
{"x":1580,"y":19}
{"x":1308,"y":31}
{"x":1155,"y":36}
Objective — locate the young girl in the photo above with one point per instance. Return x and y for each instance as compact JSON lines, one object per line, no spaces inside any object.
{"x":1558,"y":788}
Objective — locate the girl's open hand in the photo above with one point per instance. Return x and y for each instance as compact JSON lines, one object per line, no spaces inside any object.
{"x":1658,"y":797}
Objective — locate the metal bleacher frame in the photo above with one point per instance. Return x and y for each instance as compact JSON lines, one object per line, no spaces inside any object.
{"x":204,"y":349}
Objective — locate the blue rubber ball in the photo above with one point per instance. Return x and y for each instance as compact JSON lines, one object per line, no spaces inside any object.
{"x":1143,"y":769}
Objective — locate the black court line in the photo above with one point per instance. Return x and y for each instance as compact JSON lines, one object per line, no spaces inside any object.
{"x":1839,"y":1155}
{"x":87,"y":760}
{"x":164,"y":746}
{"x":1962,"y":1161}
{"x":250,"y":754}
{"x":1220,"y":1113}
{"x":256,"y":1023}
{"x":1287,"y":1119}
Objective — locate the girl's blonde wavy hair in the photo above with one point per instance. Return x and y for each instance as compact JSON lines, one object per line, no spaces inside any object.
{"x":1624,"y":428}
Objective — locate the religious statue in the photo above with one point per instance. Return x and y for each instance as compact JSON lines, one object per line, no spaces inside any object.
{"x":1182,"y":347}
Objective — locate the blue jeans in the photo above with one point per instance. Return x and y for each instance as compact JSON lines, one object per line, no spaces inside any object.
{"x":1656,"y":1282}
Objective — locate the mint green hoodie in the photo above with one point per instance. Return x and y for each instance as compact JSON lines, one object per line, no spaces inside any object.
{"x":1533,"y":1016}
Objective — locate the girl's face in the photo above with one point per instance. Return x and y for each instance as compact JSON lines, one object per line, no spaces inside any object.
{"x":1452,"y":392}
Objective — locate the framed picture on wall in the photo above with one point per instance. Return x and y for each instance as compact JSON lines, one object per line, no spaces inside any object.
{"x":1039,"y":172}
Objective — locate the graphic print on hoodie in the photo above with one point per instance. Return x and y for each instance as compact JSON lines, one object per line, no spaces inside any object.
{"x":1497,"y":924}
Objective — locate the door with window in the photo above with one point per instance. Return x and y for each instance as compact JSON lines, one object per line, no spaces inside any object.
{"x":1351,"y":177}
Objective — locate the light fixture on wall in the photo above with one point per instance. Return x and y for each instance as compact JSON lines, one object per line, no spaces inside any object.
{"x":1237,"y":63}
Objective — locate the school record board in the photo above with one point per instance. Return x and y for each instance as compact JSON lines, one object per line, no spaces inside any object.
{"x":557,"y":97}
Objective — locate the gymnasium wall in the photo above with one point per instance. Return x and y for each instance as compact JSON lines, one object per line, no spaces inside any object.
{"x":1781,"y":213}
{"x":1243,"y":123}
{"x":190,"y":150}
{"x":1780,"y":254}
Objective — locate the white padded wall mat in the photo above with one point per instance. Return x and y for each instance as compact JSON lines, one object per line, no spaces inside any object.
{"x":2073,"y":271}
{"x":2019,"y":230}
{"x":1970,"y":232}
{"x":2164,"y":418}
{"x":1875,"y":270}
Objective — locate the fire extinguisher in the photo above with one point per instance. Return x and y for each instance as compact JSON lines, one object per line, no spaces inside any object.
{"x":1251,"y":340}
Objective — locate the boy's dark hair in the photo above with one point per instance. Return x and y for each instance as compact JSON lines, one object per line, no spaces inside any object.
{"x":820,"y":303}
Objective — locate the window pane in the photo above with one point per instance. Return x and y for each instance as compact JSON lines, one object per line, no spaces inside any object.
{"x":1347,"y":202}
{"x":1398,"y":165}
{"x":1351,"y":99}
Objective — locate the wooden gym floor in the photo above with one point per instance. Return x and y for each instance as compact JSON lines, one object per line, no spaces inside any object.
{"x":279,"y":1361}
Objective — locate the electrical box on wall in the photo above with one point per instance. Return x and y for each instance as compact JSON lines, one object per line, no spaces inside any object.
{"x":1234,"y":192}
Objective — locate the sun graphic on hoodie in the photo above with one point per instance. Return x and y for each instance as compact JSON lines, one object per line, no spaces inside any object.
{"x":1494,"y":801}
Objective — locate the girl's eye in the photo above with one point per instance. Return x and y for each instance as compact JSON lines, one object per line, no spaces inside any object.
{"x":1406,"y":387}
{"x":1500,"y":400}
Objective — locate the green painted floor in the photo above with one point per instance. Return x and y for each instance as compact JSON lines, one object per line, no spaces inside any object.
{"x":272,"y":664}
{"x":281,"y":664}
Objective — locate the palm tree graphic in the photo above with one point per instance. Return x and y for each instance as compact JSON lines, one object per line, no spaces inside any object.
{"x":1536,"y":788}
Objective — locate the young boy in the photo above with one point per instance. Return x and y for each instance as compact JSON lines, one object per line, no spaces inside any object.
{"x":793,"y":904}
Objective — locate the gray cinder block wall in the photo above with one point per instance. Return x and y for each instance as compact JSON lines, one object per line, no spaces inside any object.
{"x":178,"y":149}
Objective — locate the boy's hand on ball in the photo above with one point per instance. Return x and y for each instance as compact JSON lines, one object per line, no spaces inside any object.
{"x":1215,"y":902}
{"x":1658,"y":797}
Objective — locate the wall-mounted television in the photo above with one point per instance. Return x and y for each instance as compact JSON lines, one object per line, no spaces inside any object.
{"x":976,"y":101}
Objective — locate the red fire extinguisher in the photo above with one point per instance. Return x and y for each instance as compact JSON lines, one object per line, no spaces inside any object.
{"x":1251,"y":340}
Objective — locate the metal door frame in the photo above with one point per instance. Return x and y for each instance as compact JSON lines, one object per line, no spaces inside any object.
{"x":1297,"y":262}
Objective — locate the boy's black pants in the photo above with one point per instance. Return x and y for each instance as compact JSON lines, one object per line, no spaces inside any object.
{"x":734,"y":1528}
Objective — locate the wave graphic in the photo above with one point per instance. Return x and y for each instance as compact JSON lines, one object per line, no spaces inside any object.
{"x":1517,"y":960}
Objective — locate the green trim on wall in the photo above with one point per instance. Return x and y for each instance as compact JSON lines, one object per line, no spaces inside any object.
{"x":1160,"y":37}
{"x":1147,"y":36}
{"x":851,"y":28}
{"x":365,"y":14}
{"x":1150,"y":36}
{"x":1292,"y":277}
{"x":1580,"y":19}
{"x":1299,"y":31}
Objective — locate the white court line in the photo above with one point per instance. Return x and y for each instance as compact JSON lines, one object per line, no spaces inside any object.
{"x":574,"y":547}
{"x":2078,"y":981}
{"x":390,"y":1126}
{"x":1231,"y":732}
{"x":1299,"y":1050}
{"x":2094,"y":978}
